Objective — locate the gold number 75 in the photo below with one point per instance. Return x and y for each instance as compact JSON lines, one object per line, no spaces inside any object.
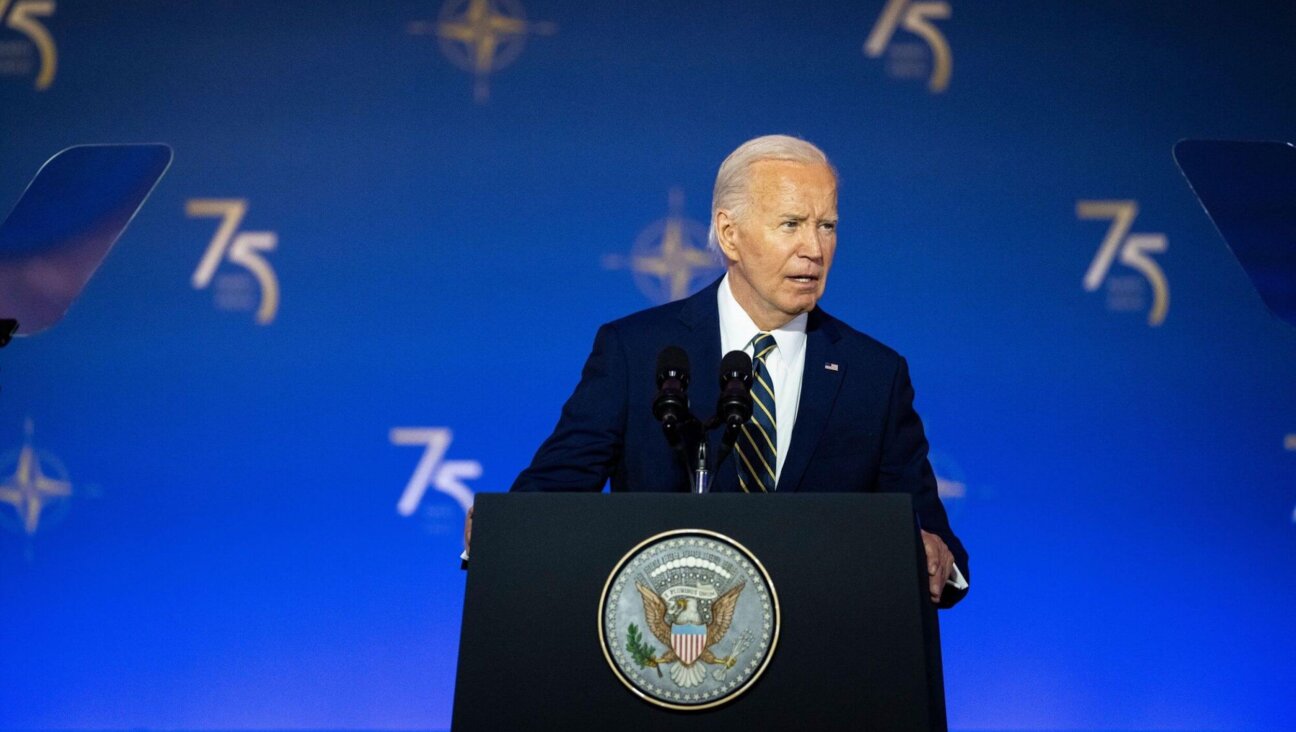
{"x":916,"y":19}
{"x":244,"y":250}
{"x":23,"y":19}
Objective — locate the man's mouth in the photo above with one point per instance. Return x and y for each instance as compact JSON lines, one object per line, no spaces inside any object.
{"x":804,"y":279}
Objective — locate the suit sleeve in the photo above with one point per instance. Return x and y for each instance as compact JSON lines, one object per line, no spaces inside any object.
{"x":906,"y":469}
{"x":588,"y":441}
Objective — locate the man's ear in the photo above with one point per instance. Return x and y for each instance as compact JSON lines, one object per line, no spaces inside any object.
{"x":726,"y":229}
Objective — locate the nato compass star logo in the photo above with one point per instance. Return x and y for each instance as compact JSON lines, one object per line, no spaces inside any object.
{"x":670,"y":259}
{"x":38,"y":484}
{"x":481,"y":36}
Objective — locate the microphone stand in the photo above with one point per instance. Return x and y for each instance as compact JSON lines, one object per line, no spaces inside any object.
{"x":688,"y":440}
{"x":685,"y":433}
{"x":701,"y":475}
{"x":727,"y":440}
{"x":701,"y":470}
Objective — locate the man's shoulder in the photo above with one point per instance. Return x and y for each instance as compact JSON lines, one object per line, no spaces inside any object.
{"x":699,"y":305}
{"x":856,"y":343}
{"x":648,"y":316}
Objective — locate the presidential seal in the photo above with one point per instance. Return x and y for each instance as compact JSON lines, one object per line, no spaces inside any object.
{"x":689,"y":619}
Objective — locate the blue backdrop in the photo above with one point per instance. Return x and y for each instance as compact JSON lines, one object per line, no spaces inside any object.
{"x":200,"y":471}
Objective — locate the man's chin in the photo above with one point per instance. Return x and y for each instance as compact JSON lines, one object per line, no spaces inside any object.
{"x":799,"y":306}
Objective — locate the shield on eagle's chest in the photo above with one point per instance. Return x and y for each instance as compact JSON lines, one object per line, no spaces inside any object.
{"x":688,"y":642}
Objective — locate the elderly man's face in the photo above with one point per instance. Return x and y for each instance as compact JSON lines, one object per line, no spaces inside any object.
{"x":781,"y":247}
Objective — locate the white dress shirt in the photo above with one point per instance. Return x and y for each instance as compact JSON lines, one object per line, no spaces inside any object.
{"x":786,"y":363}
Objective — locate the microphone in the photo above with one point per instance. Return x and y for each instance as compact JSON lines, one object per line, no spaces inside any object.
{"x":671,"y":406}
{"x":735,"y":404}
{"x":734,"y":407}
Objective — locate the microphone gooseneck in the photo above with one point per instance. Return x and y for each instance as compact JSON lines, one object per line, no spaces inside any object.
{"x":685,"y":434}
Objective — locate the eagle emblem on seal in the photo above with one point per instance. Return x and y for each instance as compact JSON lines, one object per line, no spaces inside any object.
{"x":688,"y":619}
{"x":680,"y":626}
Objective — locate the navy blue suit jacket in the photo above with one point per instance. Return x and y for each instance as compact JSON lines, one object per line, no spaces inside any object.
{"x":856,"y":429}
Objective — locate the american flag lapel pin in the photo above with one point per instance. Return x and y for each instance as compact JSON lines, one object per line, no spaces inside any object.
{"x":830,"y":366}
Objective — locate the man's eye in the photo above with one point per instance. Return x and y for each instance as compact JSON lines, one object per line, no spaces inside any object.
{"x":828,"y":225}
{"x":789,"y":224}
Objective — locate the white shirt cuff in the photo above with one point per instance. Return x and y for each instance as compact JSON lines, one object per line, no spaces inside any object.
{"x":955,"y":580}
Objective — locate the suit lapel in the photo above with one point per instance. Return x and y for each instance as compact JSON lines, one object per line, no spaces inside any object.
{"x":701,"y":318}
{"x":819,"y":385}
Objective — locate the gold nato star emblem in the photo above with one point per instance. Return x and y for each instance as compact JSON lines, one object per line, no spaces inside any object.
{"x":29,"y":490}
{"x":669,"y":258}
{"x":481,"y":36}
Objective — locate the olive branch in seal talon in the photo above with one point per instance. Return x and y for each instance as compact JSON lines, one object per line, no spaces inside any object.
{"x":643,"y":654}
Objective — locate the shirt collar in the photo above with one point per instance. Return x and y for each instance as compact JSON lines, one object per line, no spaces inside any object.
{"x":737,"y":328}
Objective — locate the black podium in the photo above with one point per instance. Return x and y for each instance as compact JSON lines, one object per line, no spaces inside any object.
{"x":858,"y":643}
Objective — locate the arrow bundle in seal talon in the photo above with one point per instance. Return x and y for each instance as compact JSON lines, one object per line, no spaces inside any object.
{"x":731,"y":660}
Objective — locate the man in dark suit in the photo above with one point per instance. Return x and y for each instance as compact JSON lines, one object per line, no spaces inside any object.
{"x":833,"y":407}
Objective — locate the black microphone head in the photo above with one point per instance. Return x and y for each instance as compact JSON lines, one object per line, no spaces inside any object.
{"x":673,"y":363}
{"x":735,"y":365}
{"x":735,"y":403}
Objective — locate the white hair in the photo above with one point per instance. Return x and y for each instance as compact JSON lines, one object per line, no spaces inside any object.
{"x":731,"y":186}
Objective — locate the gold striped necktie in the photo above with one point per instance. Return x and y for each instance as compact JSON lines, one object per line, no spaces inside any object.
{"x":757,"y":451}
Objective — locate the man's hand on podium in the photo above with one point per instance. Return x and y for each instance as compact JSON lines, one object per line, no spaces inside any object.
{"x":940,"y":564}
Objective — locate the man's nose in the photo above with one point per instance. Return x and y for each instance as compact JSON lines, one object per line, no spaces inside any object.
{"x":812,"y":243}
